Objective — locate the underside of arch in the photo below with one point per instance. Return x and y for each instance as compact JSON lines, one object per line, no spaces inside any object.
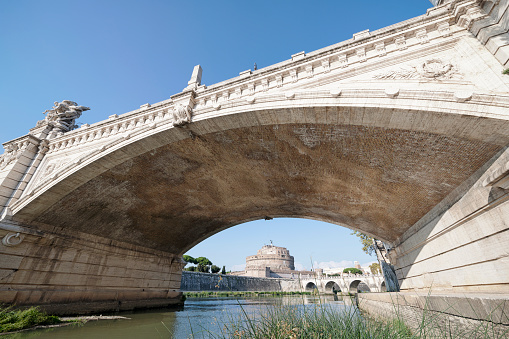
{"x":380,"y":180}
{"x":310,"y":287}
{"x":332,"y":286}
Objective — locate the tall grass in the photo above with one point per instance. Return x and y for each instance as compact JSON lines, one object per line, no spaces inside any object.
{"x":323,"y":320}
{"x":15,"y":320}
{"x":307,"y":321}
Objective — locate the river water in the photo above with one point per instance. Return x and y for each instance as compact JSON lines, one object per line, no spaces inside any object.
{"x":199,"y":316}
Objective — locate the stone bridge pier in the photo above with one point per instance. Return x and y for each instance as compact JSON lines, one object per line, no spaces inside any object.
{"x":401,"y":133}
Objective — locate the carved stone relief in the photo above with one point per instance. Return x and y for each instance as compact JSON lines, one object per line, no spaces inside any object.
{"x":326,"y":65}
{"x":12,"y":153}
{"x":48,"y":170}
{"x":52,"y":168}
{"x":431,"y":69}
{"x":181,"y":115}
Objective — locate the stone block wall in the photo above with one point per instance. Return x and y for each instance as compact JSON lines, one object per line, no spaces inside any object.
{"x":195,"y":281}
{"x":69,"y":273}
{"x":492,"y":29}
{"x":17,"y":164}
{"x":461,"y":245}
{"x":464,"y":316}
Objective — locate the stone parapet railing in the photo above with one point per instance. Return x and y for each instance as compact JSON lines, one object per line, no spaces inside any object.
{"x":131,"y":124}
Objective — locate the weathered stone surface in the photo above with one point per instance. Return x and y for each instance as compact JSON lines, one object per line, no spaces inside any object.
{"x":195,"y":281}
{"x":68,"y":273}
{"x":468,"y":316}
{"x":380,"y":181}
{"x":460,"y":245}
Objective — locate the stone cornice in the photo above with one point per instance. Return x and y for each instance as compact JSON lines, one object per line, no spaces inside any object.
{"x":122,"y":128}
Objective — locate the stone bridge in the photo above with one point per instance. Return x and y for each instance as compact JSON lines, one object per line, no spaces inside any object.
{"x":344,"y":283}
{"x":400,"y":133}
{"x":197,"y":281}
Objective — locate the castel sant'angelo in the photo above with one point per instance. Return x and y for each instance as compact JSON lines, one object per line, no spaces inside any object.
{"x":271,"y":262}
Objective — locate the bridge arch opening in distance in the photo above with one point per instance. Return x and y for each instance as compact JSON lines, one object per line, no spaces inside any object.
{"x":315,"y":247}
{"x":358,"y":286}
{"x":332,"y":287}
{"x":311,"y":287}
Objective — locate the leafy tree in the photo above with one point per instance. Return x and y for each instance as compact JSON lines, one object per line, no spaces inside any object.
{"x":203,"y":268}
{"x":366,"y":241}
{"x":203,"y":261}
{"x":352,"y":270}
{"x":214,"y":269}
{"x":190,"y":260}
{"x":203,"y":264}
{"x":375,"y":268}
{"x":190,"y":268}
{"x":223,"y":271}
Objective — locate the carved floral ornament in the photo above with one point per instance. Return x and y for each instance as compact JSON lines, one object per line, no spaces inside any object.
{"x":434,"y":68}
{"x":430,"y":69}
{"x":181,"y":115}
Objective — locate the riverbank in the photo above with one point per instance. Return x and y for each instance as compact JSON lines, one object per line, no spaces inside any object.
{"x":262,"y":315}
{"x":199,"y":317}
{"x":15,"y":321}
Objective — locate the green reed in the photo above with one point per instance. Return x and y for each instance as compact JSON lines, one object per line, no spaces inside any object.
{"x":316,"y":321}
{"x":15,"y":320}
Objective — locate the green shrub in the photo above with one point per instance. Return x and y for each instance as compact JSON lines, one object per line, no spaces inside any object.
{"x":17,"y":320}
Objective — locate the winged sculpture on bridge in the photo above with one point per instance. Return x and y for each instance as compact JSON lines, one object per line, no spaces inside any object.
{"x":63,"y":115}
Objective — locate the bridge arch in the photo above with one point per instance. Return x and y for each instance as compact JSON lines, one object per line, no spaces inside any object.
{"x":332,"y":287}
{"x":358,"y":286}
{"x":240,"y":164}
{"x":311,"y":287}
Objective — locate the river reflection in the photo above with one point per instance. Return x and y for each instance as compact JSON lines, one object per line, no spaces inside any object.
{"x":200,"y":316}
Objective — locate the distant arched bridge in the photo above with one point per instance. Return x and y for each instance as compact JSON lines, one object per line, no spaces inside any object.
{"x":346,"y":283}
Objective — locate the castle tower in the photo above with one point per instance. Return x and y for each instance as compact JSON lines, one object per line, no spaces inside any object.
{"x":272,"y":257}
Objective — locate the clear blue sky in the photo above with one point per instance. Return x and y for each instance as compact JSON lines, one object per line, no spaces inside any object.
{"x":114,"y":56}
